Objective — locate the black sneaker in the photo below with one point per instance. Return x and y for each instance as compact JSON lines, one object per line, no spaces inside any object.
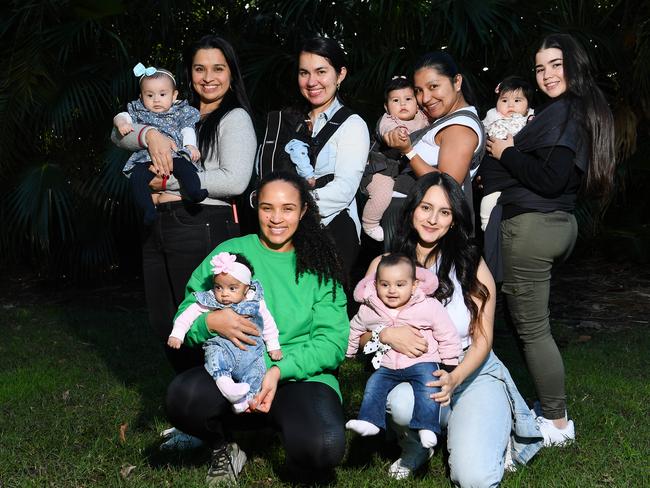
{"x":226,"y":464}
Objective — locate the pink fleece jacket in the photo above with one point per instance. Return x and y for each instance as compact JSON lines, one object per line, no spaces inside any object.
{"x":422,"y":312}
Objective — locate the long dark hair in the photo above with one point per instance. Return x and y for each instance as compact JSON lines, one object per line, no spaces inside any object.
{"x":589,"y":109}
{"x":235,"y":97}
{"x":444,"y":64}
{"x":315,"y":249}
{"x":454,"y":250}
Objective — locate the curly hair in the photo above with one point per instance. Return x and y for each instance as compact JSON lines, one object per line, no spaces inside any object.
{"x":453,"y":252}
{"x":315,"y":249}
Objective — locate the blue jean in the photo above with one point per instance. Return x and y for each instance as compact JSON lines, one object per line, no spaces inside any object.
{"x":425,"y":411}
{"x":485,"y":412}
{"x":223,"y":358}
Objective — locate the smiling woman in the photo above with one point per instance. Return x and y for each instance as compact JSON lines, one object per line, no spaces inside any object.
{"x":455,"y":142}
{"x":185,"y":232}
{"x":341,"y":161}
{"x":569,"y":145}
{"x":295,"y":261}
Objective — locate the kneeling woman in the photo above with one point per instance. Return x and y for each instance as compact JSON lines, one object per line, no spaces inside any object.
{"x":489,"y":425}
{"x":296,"y":263}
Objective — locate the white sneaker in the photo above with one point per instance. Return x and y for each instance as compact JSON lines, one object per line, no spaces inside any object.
{"x":554,"y":436}
{"x":376,"y":233}
{"x":176,"y":440}
{"x":399,"y":472}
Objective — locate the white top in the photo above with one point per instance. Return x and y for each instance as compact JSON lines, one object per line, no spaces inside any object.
{"x":429,"y":151}
{"x":456,"y":308}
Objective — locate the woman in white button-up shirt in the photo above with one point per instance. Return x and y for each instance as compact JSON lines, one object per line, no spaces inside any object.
{"x":321,"y":70}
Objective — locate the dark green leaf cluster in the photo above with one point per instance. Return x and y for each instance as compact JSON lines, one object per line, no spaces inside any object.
{"x":67,"y":70}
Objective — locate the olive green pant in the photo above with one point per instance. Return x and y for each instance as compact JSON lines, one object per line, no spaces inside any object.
{"x":532,"y":243}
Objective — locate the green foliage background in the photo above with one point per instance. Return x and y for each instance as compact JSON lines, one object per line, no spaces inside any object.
{"x":67,"y":70}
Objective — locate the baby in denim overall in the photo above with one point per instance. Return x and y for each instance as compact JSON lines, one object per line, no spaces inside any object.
{"x":238,"y":373}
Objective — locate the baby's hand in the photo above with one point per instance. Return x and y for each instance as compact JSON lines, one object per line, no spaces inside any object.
{"x":123,"y":128}
{"x":276,"y":355}
{"x":195,"y":154}
{"x":403,"y":133}
{"x":311,"y":182}
{"x":174,"y":342}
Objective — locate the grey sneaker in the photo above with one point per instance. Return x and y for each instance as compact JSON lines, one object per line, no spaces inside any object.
{"x":226,"y":464}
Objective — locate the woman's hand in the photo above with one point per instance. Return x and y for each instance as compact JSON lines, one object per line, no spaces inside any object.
{"x":232,"y":326}
{"x":405,"y":340}
{"x":395,"y":139}
{"x":160,"y":149}
{"x":447,"y":383}
{"x":263,"y":400}
{"x":495,"y":147}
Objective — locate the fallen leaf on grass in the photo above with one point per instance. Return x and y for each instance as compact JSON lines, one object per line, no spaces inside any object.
{"x":123,"y":428}
{"x":66,"y":395}
{"x":583,"y":338}
{"x":126,"y":470}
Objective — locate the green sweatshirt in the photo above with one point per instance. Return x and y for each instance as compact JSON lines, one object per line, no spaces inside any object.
{"x":313,"y":328}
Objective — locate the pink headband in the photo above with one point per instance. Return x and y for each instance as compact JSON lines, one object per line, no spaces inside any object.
{"x":227,"y":263}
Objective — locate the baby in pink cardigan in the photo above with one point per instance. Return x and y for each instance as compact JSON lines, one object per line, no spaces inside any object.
{"x":394,"y":297}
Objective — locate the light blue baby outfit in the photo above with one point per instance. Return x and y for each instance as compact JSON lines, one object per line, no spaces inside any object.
{"x":180,"y":115}
{"x":223,"y":358}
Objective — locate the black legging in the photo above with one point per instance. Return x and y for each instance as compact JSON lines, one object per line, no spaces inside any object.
{"x":308,"y":416}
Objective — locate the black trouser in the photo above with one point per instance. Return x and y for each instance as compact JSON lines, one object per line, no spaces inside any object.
{"x":185,"y":173}
{"x":173,"y":247}
{"x":308,"y":416}
{"x":344,"y":233}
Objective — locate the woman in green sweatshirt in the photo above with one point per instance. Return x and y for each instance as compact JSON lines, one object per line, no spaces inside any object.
{"x":296,"y":263}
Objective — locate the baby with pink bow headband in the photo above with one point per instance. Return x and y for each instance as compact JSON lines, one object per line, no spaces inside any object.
{"x":237,"y":373}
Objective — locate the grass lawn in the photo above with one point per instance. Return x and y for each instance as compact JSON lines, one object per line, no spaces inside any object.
{"x":81,"y":392}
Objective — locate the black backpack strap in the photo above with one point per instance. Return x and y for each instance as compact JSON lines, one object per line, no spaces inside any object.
{"x":318,"y":142}
{"x":267,"y":150}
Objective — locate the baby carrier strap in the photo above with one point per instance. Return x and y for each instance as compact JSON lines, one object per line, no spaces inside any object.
{"x":417,"y":135}
{"x":317,"y":143}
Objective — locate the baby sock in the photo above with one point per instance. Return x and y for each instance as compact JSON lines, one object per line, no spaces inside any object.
{"x":428,"y":438}
{"x":233,"y":392}
{"x":240,"y":407}
{"x":362,"y":427}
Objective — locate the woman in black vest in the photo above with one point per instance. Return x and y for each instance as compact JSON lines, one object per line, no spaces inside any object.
{"x":568,"y":145}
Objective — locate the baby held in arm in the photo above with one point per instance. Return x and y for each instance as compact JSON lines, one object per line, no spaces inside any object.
{"x":158,"y":107}
{"x":398,"y":295}
{"x":238,"y":374}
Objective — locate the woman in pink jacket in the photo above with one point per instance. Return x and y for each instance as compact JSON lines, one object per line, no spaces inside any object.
{"x":399,"y":295}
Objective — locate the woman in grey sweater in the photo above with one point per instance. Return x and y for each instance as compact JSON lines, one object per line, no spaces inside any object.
{"x":186,"y":232}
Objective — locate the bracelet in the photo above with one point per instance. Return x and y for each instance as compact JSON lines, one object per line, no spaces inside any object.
{"x":164,"y":182}
{"x":411,"y":154}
